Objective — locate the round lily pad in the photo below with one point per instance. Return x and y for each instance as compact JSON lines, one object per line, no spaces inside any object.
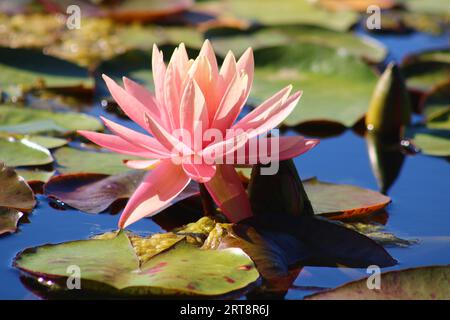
{"x":111,"y":266}
{"x":72,"y":160}
{"x":337,"y":87}
{"x":424,"y":283}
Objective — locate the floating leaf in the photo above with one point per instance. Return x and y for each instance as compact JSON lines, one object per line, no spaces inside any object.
{"x":436,"y":107}
{"x":111,"y":266}
{"x":14,"y":191}
{"x":270,"y":37}
{"x":288,"y":12}
{"x":32,"y":69}
{"x":94,"y":193}
{"x":340,"y":201}
{"x":423,"y":283}
{"x":9,"y":219}
{"x":35,"y":175}
{"x":78,"y":161}
{"x":22,"y":152}
{"x":15,"y":196}
{"x":357,"y":5}
{"x":425,"y":70}
{"x":142,"y":10}
{"x":310,"y":68}
{"x":23,"y":120}
{"x":434,"y":142}
{"x":433,"y":7}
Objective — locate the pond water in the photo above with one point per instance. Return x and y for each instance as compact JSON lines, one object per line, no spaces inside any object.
{"x":419,"y":208}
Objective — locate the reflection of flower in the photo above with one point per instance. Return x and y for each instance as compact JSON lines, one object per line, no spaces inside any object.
{"x":191,"y":97}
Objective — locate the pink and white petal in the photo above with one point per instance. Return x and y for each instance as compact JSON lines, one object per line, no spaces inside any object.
{"x":159,"y":187}
{"x":149,"y":143}
{"x":172,"y":96}
{"x":208,"y":52}
{"x":141,"y":164}
{"x":173,"y":145}
{"x":228,"y":193}
{"x":246,"y":62}
{"x":272,"y":118}
{"x":261,"y":112}
{"x":129,"y":104}
{"x":159,"y":74}
{"x":193,"y":112}
{"x":221,"y":149}
{"x":200,"y":173}
{"x":272,"y":149}
{"x":147,"y":99}
{"x":116,"y":144}
{"x":231,"y":103}
{"x":227,"y":72}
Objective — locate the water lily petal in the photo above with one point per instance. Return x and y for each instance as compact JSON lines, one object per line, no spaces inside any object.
{"x":137,"y":138}
{"x":129,"y":104}
{"x":160,"y":186}
{"x":116,"y":144}
{"x":258,"y":150}
{"x":141,"y":164}
{"x":273,"y":116}
{"x":159,"y":74}
{"x":229,"y":194}
{"x":194,"y":113}
{"x":200,"y":173}
{"x":147,"y":99}
{"x":246,"y":62}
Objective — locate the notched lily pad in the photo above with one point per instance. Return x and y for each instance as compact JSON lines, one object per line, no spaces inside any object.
{"x":111,"y":267}
{"x":423,"y":283}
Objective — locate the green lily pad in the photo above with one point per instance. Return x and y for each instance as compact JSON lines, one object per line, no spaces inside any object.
{"x":423,"y":283}
{"x":79,"y":161}
{"x":270,"y":37}
{"x":35,"y":175}
{"x":340,"y":201}
{"x":433,"y":7}
{"x":111,"y":266}
{"x":337,"y":87}
{"x":289,"y":12}
{"x":436,"y":107}
{"x":32,"y":69}
{"x":15,"y":119}
{"x":434,"y":142}
{"x":425,"y":70}
{"x":22,"y":152}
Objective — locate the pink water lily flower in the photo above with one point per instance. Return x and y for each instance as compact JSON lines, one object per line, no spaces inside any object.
{"x":195,"y":97}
